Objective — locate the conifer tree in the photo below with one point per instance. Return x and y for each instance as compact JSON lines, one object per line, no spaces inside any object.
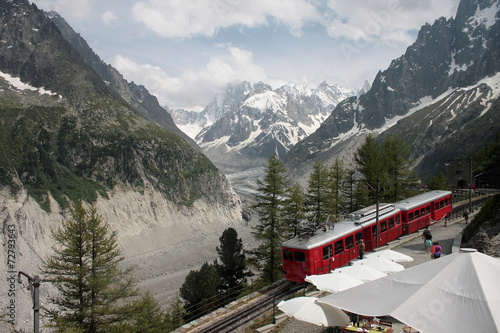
{"x":85,"y":269}
{"x":200,"y":291}
{"x":439,"y":182}
{"x":294,"y":210}
{"x":396,"y":157}
{"x":145,"y":316}
{"x":336,"y":178}
{"x":369,"y":163}
{"x":232,"y":269}
{"x":317,"y":194}
{"x":269,"y":231}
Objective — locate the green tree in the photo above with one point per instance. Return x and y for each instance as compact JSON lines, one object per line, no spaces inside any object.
{"x":369,"y":163}
{"x":175,"y":314}
{"x":269,"y":231}
{"x":200,"y":291}
{"x":294,"y":210}
{"x":232,"y":269}
{"x":145,"y":316}
{"x":438,"y":182}
{"x":85,"y":269}
{"x":336,"y":178}
{"x":317,"y":193}
{"x":397,"y":163}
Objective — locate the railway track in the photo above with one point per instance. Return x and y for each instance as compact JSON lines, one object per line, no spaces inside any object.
{"x":246,"y":313}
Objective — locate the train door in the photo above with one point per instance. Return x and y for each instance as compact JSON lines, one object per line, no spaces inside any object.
{"x":367,"y":235}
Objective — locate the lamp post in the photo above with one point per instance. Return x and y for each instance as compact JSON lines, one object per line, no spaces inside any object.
{"x":377,"y":204}
{"x":34,"y":284}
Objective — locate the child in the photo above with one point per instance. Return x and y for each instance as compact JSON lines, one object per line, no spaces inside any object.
{"x":436,"y":250}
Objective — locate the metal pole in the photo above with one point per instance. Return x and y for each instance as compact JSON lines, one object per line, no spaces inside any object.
{"x":376,"y":214}
{"x":36,"y":304}
{"x":34,"y":286}
{"x":470,"y":185}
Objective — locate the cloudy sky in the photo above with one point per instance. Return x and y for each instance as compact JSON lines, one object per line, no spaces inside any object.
{"x":185,"y":51}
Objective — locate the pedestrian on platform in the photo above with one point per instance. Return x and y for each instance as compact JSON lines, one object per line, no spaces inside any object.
{"x":427,"y":237}
{"x":361,"y":249}
{"x":466,"y":215}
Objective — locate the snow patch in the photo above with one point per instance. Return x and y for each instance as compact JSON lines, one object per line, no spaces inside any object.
{"x":17,"y":84}
{"x":485,"y":16}
{"x":454,"y":67}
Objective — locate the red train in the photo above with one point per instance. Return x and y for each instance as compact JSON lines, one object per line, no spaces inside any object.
{"x":325,"y":249}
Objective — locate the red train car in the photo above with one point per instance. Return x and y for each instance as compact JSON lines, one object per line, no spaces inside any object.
{"x":420,"y":211}
{"x":326,"y":249}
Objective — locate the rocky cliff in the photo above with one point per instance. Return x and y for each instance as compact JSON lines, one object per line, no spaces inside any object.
{"x":65,"y":135}
{"x":445,"y":86}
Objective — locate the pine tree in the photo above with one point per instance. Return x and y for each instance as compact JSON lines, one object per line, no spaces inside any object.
{"x":317,"y":194}
{"x":200,"y":291}
{"x":85,"y":269}
{"x":369,"y":162}
{"x":269,"y":231}
{"x":396,"y":157}
{"x":145,"y":316}
{"x":294,"y":210}
{"x":336,"y":178}
{"x":438,"y":182}
{"x":232,"y":269}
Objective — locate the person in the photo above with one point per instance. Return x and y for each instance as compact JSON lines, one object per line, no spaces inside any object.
{"x":361,"y":249}
{"x":466,"y":215}
{"x":427,"y":237}
{"x":436,"y":250}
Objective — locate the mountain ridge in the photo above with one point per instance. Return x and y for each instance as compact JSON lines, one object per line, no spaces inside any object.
{"x":446,"y":56}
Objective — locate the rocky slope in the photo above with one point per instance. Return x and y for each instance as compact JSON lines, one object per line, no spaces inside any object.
{"x":66,"y":136}
{"x":446,"y":81}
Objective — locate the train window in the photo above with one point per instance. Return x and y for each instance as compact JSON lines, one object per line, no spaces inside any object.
{"x":428,"y":209}
{"x":359,"y":237}
{"x":441,"y":204}
{"x":398,"y":219}
{"x":374,"y":231}
{"x":446,"y":202}
{"x":339,"y":246}
{"x":287,"y":255}
{"x":410,"y":217}
{"x":327,"y":252}
{"x":383,"y":226}
{"x":349,"y":242}
{"x":299,"y":256}
{"x":391,"y":223}
{"x":422,"y":212}
{"x":417,"y":214}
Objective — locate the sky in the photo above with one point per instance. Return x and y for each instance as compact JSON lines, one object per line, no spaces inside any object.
{"x":186,"y":51}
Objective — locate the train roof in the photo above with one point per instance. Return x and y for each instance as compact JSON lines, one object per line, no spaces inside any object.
{"x":341,"y":228}
{"x":421,"y":199}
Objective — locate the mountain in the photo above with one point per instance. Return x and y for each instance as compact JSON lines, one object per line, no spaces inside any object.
{"x":136,"y":96}
{"x":66,"y":135}
{"x":248,"y":123}
{"x":441,"y":96}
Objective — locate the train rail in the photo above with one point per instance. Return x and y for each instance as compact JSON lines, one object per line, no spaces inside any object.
{"x":245,"y":313}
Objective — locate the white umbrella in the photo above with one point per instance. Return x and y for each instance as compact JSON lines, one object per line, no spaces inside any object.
{"x":361,"y":272}
{"x":390,"y":255}
{"x":456,"y":293}
{"x":306,"y":309}
{"x":382,"y":264}
{"x":333,"y":282}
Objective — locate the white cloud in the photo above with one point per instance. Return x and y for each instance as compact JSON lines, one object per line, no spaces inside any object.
{"x":109,"y":17}
{"x":68,"y":8}
{"x":389,"y":22}
{"x":184,"y":19}
{"x":194,"y":88}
